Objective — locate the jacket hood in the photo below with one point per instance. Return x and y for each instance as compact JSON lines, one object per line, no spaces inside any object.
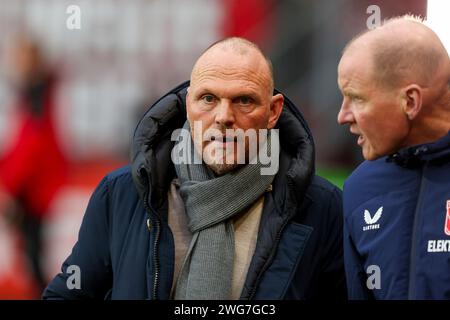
{"x":151,"y":164}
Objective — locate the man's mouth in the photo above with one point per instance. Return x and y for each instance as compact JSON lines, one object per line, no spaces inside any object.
{"x":361,"y":140}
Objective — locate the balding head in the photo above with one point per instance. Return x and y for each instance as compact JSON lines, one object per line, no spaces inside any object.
{"x":404,"y":50}
{"x":395,"y":85}
{"x":237,"y":49}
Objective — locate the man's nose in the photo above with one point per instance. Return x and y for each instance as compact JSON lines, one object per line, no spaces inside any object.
{"x":225,"y":114}
{"x":345,"y":115}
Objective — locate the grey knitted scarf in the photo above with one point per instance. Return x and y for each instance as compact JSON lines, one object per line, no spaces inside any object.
{"x":210,"y":203}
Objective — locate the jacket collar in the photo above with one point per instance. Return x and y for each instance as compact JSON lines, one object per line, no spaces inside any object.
{"x":152,"y":168}
{"x":414,"y":156}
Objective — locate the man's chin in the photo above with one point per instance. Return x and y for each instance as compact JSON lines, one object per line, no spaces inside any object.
{"x":370,"y":155}
{"x":367,"y":156}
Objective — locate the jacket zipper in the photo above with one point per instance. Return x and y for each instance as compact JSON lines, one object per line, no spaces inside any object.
{"x":271,"y":256}
{"x":156,"y":260}
{"x":156,"y":265}
{"x":268,"y":261}
{"x":412,"y":265}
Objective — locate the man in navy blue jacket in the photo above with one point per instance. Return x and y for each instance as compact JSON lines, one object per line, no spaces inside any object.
{"x":395,"y":82}
{"x":174,"y":226}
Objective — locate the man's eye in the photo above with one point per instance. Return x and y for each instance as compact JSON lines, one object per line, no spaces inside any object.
{"x":355,"y":98}
{"x":208,"y":98}
{"x":245,"y":100}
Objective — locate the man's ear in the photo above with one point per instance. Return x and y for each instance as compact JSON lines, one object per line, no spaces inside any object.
{"x":412,"y":103}
{"x":276,"y":106}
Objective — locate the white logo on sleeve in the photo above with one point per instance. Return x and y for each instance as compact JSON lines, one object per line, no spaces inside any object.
{"x":371,"y":222}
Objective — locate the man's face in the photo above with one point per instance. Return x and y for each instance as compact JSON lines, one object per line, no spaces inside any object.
{"x":229,"y":91}
{"x":373,"y":113}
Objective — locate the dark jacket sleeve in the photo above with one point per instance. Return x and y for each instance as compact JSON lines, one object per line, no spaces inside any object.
{"x":355,"y":274}
{"x":333,"y":271}
{"x":90,"y":255}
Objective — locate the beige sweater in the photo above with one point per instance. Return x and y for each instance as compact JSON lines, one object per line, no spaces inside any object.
{"x":245,"y":232}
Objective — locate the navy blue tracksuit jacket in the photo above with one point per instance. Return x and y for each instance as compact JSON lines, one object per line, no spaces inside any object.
{"x":397,"y":225}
